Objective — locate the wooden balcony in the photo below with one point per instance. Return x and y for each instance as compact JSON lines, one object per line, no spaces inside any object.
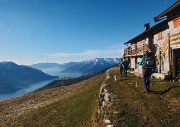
{"x":127,"y":52}
{"x":136,"y":49}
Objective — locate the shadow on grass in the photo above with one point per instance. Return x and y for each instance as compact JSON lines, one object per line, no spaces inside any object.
{"x":163,"y":92}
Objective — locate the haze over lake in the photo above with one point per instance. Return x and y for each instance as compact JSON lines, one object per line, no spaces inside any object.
{"x":57,"y":72}
{"x":24,"y":90}
{"x":51,"y":71}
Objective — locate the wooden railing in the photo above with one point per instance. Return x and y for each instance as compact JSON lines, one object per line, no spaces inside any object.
{"x":134,"y":49}
{"x":127,"y":51}
{"x":146,"y":48}
{"x":137,"y":49}
{"x":140,"y":48}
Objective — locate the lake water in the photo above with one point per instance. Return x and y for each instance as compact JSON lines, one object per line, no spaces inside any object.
{"x":56,"y":72}
{"x":24,"y":90}
{"x":36,"y":86}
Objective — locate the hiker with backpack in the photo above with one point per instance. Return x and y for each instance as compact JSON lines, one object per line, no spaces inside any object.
{"x":125,"y":65}
{"x":148,"y":64}
{"x":121,"y":68}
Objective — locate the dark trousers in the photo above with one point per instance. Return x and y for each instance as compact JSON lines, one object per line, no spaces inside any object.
{"x":146,"y":78}
{"x":121,"y":71}
{"x":125,"y":72}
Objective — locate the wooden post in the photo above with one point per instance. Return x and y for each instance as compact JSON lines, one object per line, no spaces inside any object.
{"x":169,"y":55}
{"x":160,"y":60}
{"x":143,"y":48}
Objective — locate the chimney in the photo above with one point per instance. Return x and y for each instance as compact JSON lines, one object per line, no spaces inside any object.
{"x":146,"y":26}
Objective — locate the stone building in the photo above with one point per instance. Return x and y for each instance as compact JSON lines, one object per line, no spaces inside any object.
{"x":163,"y":39}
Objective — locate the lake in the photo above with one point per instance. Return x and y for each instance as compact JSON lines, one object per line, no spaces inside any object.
{"x":24,"y":90}
{"x":36,"y":86}
{"x":56,"y":71}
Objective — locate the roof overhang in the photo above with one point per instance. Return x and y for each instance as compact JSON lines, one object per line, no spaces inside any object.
{"x":150,"y":30}
{"x":167,"y":11}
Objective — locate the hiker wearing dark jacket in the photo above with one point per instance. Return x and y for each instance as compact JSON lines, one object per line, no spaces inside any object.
{"x":146,"y":74}
{"x":121,"y":68}
{"x":125,"y":65}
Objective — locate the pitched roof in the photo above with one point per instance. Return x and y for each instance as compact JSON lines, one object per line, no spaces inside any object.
{"x":167,"y":11}
{"x":147,"y":31}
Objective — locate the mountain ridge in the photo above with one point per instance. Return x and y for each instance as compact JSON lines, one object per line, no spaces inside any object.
{"x":92,"y":66}
{"x":15,"y":77}
{"x":84,"y":67}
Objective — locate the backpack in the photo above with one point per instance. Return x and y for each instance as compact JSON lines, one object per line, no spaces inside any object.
{"x":149,"y":61}
{"x":125,"y":64}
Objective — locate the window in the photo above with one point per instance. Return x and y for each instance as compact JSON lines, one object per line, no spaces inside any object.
{"x":176,"y":22}
{"x":159,"y":35}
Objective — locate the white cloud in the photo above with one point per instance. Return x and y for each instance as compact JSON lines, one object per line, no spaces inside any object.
{"x":110,"y":52}
{"x":89,"y":54}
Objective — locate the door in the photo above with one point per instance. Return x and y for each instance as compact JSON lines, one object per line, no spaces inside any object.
{"x":176,"y":62}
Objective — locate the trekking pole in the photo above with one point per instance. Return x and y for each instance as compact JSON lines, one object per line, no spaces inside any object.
{"x":136,"y":79}
{"x":137,"y":76}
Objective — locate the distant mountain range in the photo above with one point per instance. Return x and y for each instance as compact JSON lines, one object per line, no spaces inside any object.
{"x":92,"y":66}
{"x":85,"y":67}
{"x":14,"y":77}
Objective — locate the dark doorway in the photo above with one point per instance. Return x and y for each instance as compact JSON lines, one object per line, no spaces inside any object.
{"x":176,"y":62}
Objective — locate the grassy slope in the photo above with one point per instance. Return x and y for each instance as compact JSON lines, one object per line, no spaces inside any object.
{"x":159,"y":108}
{"x":74,"y":106}
{"x":64,"y":107}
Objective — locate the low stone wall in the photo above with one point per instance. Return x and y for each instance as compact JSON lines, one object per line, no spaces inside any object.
{"x":104,"y":101}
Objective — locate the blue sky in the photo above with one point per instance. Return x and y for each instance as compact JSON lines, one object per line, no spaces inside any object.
{"x":60,"y":31}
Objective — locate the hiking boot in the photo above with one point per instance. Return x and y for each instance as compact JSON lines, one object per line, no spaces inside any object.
{"x":145,"y":91}
{"x":148,"y":90}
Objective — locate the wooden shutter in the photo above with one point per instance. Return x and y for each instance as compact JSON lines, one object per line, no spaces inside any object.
{"x":176,"y":22}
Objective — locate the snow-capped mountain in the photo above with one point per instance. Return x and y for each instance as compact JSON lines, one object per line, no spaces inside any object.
{"x":92,"y":66}
{"x":83,"y":67}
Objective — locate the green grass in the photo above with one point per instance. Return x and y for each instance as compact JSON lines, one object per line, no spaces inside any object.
{"x":159,"y":108}
{"x":129,"y":107}
{"x":74,"y":111}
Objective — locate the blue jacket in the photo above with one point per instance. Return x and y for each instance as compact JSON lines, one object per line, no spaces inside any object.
{"x":141,"y":61}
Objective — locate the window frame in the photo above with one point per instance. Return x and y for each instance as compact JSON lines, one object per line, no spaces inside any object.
{"x":176,"y":22}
